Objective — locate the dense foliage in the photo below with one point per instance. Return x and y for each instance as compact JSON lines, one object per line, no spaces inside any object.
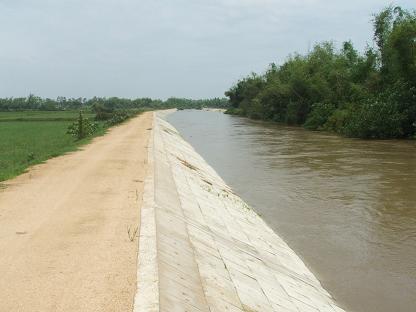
{"x":82,"y":128}
{"x":110,"y":104}
{"x":369,"y":95}
{"x":120,"y":116}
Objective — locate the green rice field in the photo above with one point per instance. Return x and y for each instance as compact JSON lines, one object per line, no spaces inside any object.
{"x":28,"y":138}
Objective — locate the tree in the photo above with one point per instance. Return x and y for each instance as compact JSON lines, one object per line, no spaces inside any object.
{"x":370,"y":95}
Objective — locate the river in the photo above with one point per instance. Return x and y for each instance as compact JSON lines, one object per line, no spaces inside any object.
{"x":346,"y":206}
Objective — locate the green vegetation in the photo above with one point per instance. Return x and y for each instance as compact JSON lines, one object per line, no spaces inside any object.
{"x":34,"y":140}
{"x":82,"y":128}
{"x":35,"y":103}
{"x":33,"y":129}
{"x":372,"y":95}
{"x":120,"y":116}
{"x":42,"y":115}
{"x":31,"y":137}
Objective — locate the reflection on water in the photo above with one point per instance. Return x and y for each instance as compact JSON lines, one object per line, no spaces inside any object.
{"x":347,"y":207}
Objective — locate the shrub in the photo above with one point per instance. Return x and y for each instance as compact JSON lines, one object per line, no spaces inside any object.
{"x":101,"y":112}
{"x":82,"y":128}
{"x":336,"y":121}
{"x":234,"y":111}
{"x":118,"y":117}
{"x":375,"y":120}
{"x":319,"y":116}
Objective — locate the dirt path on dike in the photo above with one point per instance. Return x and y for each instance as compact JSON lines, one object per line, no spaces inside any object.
{"x":63,"y":227}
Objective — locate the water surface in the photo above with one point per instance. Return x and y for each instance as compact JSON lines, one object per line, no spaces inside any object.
{"x":346,"y":206}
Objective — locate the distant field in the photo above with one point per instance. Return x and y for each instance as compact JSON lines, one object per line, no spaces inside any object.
{"x":42,"y":116}
{"x":28,"y":138}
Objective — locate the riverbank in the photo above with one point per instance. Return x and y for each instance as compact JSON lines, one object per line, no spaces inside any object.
{"x":368,"y":95}
{"x":202,"y":248}
{"x":64,"y":227}
{"x":338,"y":202}
{"x":68,"y":232}
{"x":324,"y":130}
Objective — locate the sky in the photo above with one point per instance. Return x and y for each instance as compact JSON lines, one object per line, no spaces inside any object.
{"x":163,"y":48}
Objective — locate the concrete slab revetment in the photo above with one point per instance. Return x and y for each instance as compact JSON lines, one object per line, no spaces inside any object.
{"x":202,"y":248}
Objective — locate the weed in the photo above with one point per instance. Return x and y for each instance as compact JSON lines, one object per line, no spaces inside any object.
{"x":187,"y":164}
{"x":169,"y":131}
{"x":30,"y":157}
{"x":206,"y":181}
{"x":132,"y":233}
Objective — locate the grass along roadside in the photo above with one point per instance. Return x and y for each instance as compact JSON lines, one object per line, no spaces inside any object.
{"x":30,"y":138}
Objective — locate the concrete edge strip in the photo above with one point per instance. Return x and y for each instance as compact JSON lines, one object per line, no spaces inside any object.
{"x":147,"y":294}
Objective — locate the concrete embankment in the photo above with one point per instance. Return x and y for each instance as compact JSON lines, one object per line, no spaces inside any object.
{"x":201,"y":248}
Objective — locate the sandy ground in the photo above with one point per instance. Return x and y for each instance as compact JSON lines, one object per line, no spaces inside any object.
{"x":63,"y":227}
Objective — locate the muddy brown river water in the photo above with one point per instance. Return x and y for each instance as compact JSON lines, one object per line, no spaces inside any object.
{"x":346,"y":206}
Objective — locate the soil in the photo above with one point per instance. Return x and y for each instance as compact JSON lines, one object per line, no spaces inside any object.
{"x":64,"y":242}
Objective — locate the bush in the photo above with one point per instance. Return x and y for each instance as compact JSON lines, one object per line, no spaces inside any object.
{"x":82,"y":128}
{"x":101,"y":112}
{"x":292,"y":113}
{"x":234,"y":111}
{"x":375,"y":120}
{"x":336,"y":121}
{"x":118,"y":117}
{"x":319,"y":116}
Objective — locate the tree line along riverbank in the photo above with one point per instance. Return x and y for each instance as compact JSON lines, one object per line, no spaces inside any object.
{"x":364,"y":95}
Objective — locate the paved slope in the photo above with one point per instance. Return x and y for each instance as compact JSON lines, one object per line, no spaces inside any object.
{"x":63,"y":238}
{"x":203,"y":249}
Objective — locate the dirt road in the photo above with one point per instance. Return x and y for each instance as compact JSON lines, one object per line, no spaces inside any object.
{"x":63,"y":227}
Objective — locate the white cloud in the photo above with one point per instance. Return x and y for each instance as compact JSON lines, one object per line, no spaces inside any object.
{"x":160,"y":48}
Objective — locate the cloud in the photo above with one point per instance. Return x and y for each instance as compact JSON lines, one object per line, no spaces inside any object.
{"x":161,"y":48}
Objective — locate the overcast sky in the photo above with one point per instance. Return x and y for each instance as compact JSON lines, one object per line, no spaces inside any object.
{"x":163,"y":48}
